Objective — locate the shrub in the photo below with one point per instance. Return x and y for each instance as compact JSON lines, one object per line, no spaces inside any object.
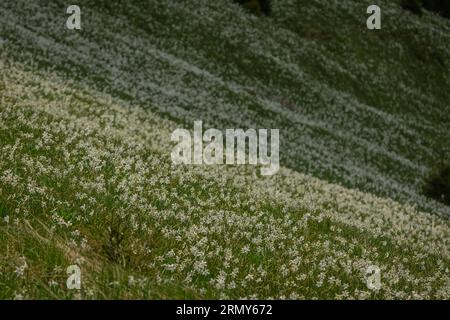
{"x":415,"y":6}
{"x":440,"y":6}
{"x":258,"y":7}
{"x":265,"y":7}
{"x":437,"y":184}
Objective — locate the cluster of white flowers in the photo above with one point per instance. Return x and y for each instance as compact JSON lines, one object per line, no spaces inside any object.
{"x":86,"y":142}
{"x":290,"y":235}
{"x":171,"y":70}
{"x":20,"y":270}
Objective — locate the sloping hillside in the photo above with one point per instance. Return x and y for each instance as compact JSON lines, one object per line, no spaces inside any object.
{"x":86,"y":176}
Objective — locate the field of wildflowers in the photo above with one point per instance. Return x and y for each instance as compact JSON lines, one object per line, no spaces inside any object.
{"x":86,"y":176}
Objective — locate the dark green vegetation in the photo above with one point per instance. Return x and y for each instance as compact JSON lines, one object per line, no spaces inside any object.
{"x":258,"y":7}
{"x":437,"y":184}
{"x":441,"y":7}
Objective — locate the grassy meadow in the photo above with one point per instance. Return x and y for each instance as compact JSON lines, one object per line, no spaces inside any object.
{"x":86,"y":176}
